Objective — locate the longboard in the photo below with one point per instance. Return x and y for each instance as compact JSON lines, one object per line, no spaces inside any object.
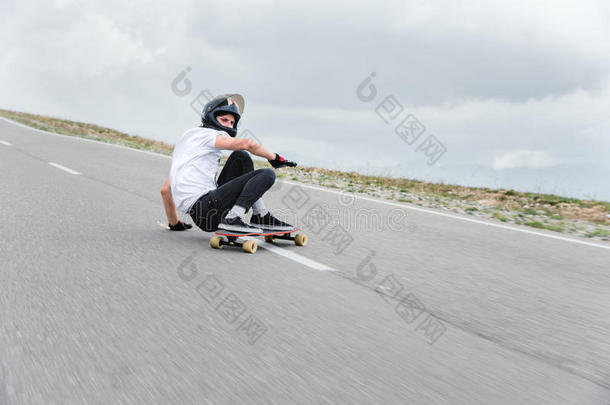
{"x":250,"y":246}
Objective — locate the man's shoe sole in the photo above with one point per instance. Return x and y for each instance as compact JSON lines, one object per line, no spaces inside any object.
{"x":275,"y":228}
{"x":233,"y":228}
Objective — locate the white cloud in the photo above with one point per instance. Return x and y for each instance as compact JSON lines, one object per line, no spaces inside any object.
{"x":502,"y":84}
{"x":531,"y":159}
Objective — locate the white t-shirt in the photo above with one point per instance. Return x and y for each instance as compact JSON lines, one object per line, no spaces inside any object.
{"x":195,"y":163}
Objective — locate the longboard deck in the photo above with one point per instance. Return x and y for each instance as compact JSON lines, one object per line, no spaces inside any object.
{"x":264,"y":233}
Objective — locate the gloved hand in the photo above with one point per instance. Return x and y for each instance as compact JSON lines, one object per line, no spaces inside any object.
{"x":281,"y":162}
{"x":180,"y":226}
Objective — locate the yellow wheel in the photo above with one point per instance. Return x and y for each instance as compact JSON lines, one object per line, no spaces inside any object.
{"x":215,"y":242}
{"x":269,"y":238}
{"x":300,"y":239}
{"x":249,"y":246}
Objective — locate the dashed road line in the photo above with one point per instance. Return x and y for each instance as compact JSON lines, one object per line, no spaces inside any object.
{"x":5,"y":143}
{"x":64,"y":168}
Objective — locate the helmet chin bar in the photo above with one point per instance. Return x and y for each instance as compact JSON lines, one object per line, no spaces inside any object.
{"x":231,"y":131}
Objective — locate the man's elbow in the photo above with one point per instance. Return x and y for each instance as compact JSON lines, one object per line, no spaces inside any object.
{"x":166,"y":190}
{"x":249,"y":144}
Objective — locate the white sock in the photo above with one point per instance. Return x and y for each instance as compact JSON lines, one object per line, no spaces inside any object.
{"x":236,"y":211}
{"x":258,"y":208}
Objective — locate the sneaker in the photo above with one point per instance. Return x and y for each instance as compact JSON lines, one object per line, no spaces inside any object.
{"x":269,"y":222}
{"x":236,"y":224}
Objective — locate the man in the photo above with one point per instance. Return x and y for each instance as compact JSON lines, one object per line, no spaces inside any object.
{"x":222,"y":204}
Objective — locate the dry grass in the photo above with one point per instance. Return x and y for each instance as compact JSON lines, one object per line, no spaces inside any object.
{"x":89,"y":131}
{"x":400,"y":189}
{"x":550,"y":205}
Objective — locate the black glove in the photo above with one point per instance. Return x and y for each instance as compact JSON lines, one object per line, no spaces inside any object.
{"x":180,"y":226}
{"x":281,"y":162}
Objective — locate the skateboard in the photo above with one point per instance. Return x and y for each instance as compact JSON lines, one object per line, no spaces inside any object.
{"x":250,"y":246}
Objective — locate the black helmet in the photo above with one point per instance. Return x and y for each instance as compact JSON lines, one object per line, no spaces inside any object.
{"x":223,"y":104}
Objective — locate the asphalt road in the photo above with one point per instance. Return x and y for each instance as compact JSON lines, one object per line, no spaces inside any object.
{"x":102,"y":305}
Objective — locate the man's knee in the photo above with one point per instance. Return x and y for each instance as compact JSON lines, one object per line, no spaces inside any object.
{"x":242,"y":160}
{"x":241,"y":155}
{"x":269,"y":175}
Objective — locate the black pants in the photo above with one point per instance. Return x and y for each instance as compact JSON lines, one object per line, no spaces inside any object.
{"x":238,"y":184}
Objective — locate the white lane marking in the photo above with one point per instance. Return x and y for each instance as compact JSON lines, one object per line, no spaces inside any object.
{"x":64,"y":168}
{"x":475,"y":221}
{"x":290,"y":255}
{"x":5,"y":143}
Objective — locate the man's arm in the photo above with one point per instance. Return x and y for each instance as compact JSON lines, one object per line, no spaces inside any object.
{"x":244,"y":144}
{"x":253,"y":147}
{"x":170,"y":209}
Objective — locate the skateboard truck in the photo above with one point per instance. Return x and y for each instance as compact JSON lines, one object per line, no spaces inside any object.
{"x":249,"y":246}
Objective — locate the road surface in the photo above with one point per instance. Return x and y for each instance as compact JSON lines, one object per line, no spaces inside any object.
{"x":102,"y":305}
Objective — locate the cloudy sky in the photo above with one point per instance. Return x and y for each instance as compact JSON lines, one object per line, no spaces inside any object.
{"x":511,"y":94}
